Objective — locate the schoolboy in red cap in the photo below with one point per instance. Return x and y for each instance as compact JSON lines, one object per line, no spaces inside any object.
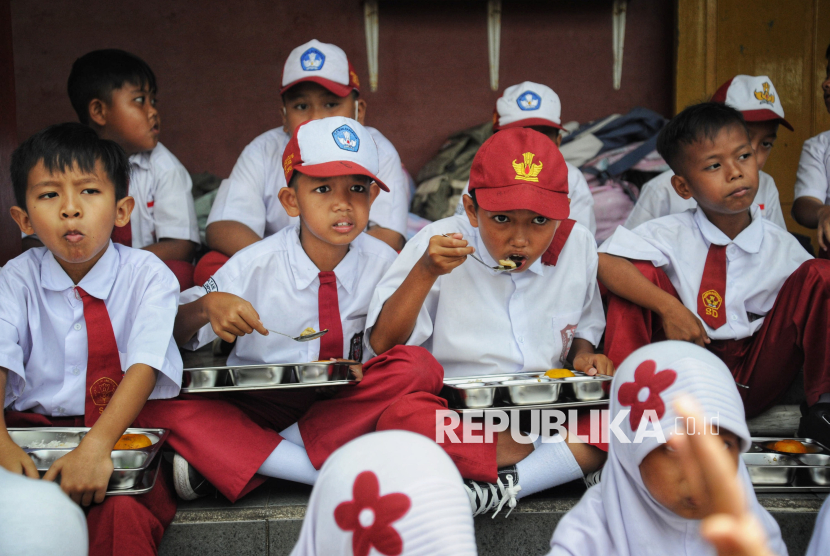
{"x":757,"y":100}
{"x":480,"y":321}
{"x":722,"y":276}
{"x":317,"y":82}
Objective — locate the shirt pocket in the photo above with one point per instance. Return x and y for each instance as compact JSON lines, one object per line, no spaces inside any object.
{"x":564,"y":327}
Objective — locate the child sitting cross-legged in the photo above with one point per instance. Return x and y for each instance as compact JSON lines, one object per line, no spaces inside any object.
{"x":479,"y":321}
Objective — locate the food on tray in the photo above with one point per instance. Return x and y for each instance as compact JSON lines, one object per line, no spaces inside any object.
{"x":52,"y":444}
{"x":559,"y":373}
{"x":308,"y":332}
{"x":507,"y":263}
{"x":132,"y":442}
{"x":789,"y":446}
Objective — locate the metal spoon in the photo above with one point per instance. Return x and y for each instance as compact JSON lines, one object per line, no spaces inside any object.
{"x":500,"y":268}
{"x":306,"y":338}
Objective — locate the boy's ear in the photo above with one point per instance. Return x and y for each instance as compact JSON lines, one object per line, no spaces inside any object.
{"x":288,"y":200}
{"x":681,"y":186}
{"x":22,"y":218}
{"x":284,"y":119}
{"x":361,"y":111}
{"x":123,"y":210}
{"x":559,"y":140}
{"x":98,"y":112}
{"x":470,"y":209}
{"x":374,"y":191}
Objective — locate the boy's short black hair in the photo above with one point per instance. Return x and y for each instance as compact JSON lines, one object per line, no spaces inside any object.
{"x":64,"y":146}
{"x":97,"y":74}
{"x":693,"y":124}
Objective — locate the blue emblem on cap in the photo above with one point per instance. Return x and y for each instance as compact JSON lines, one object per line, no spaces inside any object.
{"x":312,"y":60}
{"x":346,"y":138}
{"x":529,"y":100}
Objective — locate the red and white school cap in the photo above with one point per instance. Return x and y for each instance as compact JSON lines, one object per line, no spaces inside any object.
{"x":521,"y":169}
{"x":321,"y":63}
{"x":528,"y":104}
{"x":335,"y":146}
{"x":754,"y":96}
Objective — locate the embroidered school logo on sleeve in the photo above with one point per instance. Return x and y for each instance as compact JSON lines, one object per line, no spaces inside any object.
{"x":346,"y":138}
{"x":764,"y":95}
{"x":529,"y":101}
{"x":527,"y":171}
{"x":712,"y":301}
{"x":567,"y":334}
{"x":211,"y":286}
{"x":312,"y":60}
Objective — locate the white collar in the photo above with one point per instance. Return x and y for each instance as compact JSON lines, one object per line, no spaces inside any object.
{"x":97,"y":282}
{"x":748,"y":240}
{"x":142,"y":160}
{"x":304,"y":271}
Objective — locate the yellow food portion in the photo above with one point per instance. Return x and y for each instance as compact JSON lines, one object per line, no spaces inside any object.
{"x":559,"y":373}
{"x":308,"y":331}
{"x":507,"y":262}
{"x":789,"y":446}
{"x":132,"y":442}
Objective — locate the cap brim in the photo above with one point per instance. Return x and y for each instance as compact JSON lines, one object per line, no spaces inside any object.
{"x":529,"y":122}
{"x":338,"y":168}
{"x":765,"y":115}
{"x":550,"y":204}
{"x":336,"y":88}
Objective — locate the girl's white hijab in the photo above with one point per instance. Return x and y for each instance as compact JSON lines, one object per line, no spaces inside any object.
{"x":619,"y":516}
{"x":420,"y":496}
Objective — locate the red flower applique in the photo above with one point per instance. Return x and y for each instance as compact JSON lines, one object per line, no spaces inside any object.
{"x":370,"y":516}
{"x":645,"y":377}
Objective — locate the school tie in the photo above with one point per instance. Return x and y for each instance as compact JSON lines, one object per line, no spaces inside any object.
{"x":331,"y":344}
{"x":123,"y":235}
{"x":710,"y":300}
{"x":103,"y":366}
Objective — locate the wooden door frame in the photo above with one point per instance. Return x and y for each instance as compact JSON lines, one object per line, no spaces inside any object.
{"x":10,"y":243}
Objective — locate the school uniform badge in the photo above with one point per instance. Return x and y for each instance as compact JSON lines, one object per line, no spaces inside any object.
{"x":527,"y":170}
{"x":712,"y":300}
{"x":764,"y":95}
{"x":211,"y":286}
{"x":529,"y":101}
{"x":101,"y":392}
{"x":312,"y":60}
{"x":346,"y":138}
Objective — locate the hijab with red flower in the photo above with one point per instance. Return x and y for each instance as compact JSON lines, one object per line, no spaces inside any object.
{"x":619,"y":516}
{"x":391,"y":493}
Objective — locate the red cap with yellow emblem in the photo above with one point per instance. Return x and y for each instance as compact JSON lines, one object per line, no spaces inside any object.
{"x":519,"y":169}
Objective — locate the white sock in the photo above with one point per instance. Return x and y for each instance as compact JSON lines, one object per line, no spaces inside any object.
{"x":824,"y":398}
{"x":292,"y":434}
{"x":290,"y":462}
{"x":550,"y":464}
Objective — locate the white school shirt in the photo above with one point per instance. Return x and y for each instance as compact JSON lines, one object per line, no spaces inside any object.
{"x":43,"y":341}
{"x":758,"y":261}
{"x":477,"y":321}
{"x":579,"y":194}
{"x":813,"y":177}
{"x":249,"y":195}
{"x":276,"y":276}
{"x":163,"y":194}
{"x":658,"y":198}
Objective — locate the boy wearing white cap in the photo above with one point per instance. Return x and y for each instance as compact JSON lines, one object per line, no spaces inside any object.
{"x":538,"y":107}
{"x":317,"y":82}
{"x":318,"y":273}
{"x":812,"y":185}
{"x":757,"y":100}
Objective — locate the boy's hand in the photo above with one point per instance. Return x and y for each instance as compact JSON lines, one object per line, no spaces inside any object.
{"x":679,"y":323}
{"x":231,"y":316}
{"x":593,"y":364}
{"x":823,"y":227}
{"x":85,"y":472}
{"x":444,"y":253}
{"x":14,"y":459}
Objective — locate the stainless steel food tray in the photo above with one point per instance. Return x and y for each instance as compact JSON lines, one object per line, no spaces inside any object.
{"x":134,"y":470}
{"x":145,"y":484}
{"x":786,"y":471}
{"x":524,"y":391}
{"x":240,"y":378}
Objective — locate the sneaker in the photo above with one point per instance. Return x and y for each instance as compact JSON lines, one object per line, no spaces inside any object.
{"x":488,"y":496}
{"x":189,"y":483}
{"x":815,"y":423}
{"x":592,"y":478}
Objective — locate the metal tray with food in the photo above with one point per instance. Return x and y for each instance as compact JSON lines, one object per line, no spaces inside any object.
{"x":131,"y":459}
{"x":239,"y":378}
{"x":788,"y":465}
{"x":557,"y":388}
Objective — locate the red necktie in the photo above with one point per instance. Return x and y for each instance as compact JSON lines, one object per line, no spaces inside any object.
{"x":710,"y":299}
{"x":123,"y":235}
{"x":331,"y":345}
{"x":103,"y":366}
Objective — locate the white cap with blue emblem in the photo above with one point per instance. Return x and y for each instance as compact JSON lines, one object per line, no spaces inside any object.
{"x":321,"y":63}
{"x":528,"y":104}
{"x":329,"y":147}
